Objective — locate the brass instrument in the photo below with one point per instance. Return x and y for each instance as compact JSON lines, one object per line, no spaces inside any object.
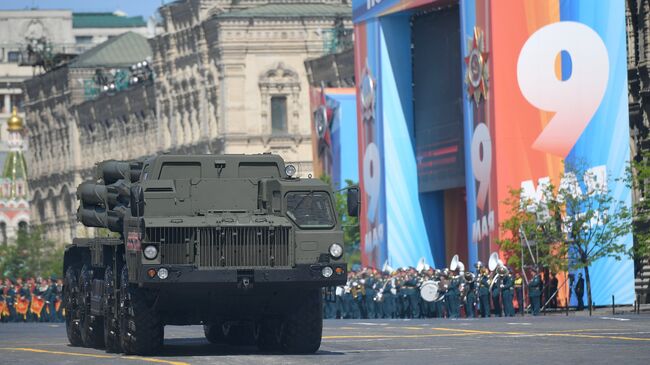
{"x":379,"y":297}
{"x":497,"y":267}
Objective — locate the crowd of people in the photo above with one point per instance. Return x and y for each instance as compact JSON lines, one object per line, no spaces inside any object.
{"x":31,"y":300}
{"x":372,"y":293}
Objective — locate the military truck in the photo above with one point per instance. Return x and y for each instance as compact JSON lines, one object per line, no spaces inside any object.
{"x":233,"y":242}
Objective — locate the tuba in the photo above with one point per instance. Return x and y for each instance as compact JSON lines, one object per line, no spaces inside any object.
{"x":456,"y":264}
{"x":497,"y":267}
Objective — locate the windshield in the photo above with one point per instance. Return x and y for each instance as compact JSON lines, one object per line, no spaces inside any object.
{"x":310,"y":209}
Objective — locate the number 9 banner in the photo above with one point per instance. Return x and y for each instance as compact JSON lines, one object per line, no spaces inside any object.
{"x":558,"y":95}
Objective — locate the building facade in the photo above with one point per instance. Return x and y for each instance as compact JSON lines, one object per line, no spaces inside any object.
{"x":638,"y":65}
{"x":87,"y":111}
{"x":227,"y":78}
{"x":232,"y":78}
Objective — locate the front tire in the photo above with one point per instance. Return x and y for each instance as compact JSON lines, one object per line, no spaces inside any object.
{"x":71,"y":305}
{"x":268,"y":335}
{"x":303,"y":328}
{"x":141,"y":329}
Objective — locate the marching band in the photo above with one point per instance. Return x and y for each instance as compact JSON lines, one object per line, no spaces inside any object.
{"x":424,"y":292}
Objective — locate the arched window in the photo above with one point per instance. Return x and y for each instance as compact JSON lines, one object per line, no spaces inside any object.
{"x":280,"y":92}
{"x":22,"y":226}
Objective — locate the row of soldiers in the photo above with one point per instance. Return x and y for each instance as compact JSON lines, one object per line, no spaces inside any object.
{"x":31,"y":300}
{"x":371,"y":293}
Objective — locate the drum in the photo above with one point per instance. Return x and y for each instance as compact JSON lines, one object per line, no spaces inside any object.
{"x":429,"y":291}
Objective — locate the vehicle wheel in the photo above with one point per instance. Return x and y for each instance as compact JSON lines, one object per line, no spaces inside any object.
{"x":268,"y":335}
{"x":214,"y":333}
{"x":141,"y":330}
{"x":303,"y":328}
{"x":71,"y":306}
{"x":239,"y":334}
{"x":111,"y":324}
{"x":91,"y":327}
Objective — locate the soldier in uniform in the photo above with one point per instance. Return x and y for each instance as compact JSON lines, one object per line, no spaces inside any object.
{"x":42,"y":291}
{"x":507,"y":287}
{"x":495,"y":292}
{"x":412,"y":296}
{"x":484,"y":293}
{"x":519,"y":292}
{"x":535,"y":292}
{"x":390,"y":296}
{"x":453,"y":296}
{"x":358,"y":298}
{"x":441,"y":304}
{"x":370,"y":292}
{"x":554,"y":285}
{"x":470,"y":297}
{"x":57,"y":292}
{"x":579,"y":289}
{"x":10,"y":296}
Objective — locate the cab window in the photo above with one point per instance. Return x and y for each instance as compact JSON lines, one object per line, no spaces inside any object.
{"x":310,"y":209}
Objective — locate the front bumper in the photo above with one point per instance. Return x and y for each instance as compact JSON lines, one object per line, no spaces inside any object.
{"x":307,"y":276}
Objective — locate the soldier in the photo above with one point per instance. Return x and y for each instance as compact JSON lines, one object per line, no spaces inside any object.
{"x":412,"y":296}
{"x":484,"y":293}
{"x":495,"y":292}
{"x":579,"y":289}
{"x":57,"y":292}
{"x":441,"y":304}
{"x":470,"y":297}
{"x":370,"y":292}
{"x":390,"y":295}
{"x":507,"y":287}
{"x":519,"y":292}
{"x":40,"y":298}
{"x":535,"y":292}
{"x":453,"y":296}
{"x":553,"y":285}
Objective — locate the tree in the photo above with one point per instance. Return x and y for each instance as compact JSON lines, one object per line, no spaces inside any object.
{"x":31,"y":255}
{"x":525,"y":226}
{"x":638,"y":177}
{"x":574,"y":224}
{"x":350,"y":225}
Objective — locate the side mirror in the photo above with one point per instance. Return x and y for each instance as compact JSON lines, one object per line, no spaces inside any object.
{"x":353,"y":202}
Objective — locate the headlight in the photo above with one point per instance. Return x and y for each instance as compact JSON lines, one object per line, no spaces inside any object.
{"x":327,"y":272}
{"x":163,"y":273}
{"x":290,"y":170}
{"x":150,"y":252}
{"x":336,"y":250}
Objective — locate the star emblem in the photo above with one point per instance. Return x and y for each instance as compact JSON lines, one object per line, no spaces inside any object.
{"x":476,"y":74}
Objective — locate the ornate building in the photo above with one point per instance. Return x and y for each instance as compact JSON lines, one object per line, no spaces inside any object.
{"x":14,"y":195}
{"x":89,"y":110}
{"x":229,"y":78}
{"x":232,"y":78}
{"x":638,"y":65}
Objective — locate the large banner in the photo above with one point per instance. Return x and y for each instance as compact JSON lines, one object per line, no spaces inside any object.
{"x":371,"y":155}
{"x":544,"y":84}
{"x":559,"y":94}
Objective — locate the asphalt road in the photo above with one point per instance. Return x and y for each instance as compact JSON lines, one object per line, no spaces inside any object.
{"x":530,"y":340}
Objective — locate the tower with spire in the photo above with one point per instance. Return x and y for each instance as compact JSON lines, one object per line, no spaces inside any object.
{"x":14,"y":194}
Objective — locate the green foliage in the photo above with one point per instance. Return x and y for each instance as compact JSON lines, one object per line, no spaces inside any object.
{"x":638,"y":178}
{"x":350,"y":225}
{"x":31,"y":255}
{"x":524,"y":226}
{"x":572,"y":226}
